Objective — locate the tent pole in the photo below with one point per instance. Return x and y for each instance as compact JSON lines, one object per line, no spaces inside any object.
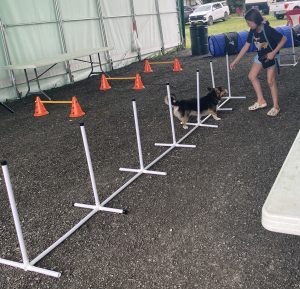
{"x":62,"y":38}
{"x":103,"y":34}
{"x":160,"y":27}
{"x":138,"y":49}
{"x":180,"y":14}
{"x":7,"y":59}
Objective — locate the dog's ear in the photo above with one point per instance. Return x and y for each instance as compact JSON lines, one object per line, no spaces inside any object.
{"x":173,"y":100}
{"x":209,"y":88}
{"x":220,"y":88}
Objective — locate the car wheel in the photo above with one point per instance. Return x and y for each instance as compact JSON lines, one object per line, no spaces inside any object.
{"x":297,"y":7}
{"x":279,"y":17}
{"x":210,"y":21}
{"x":225,"y":16}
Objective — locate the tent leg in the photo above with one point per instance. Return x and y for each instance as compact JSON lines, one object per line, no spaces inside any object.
{"x":7,"y":107}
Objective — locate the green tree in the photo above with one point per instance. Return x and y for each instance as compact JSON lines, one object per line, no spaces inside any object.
{"x":233,"y":4}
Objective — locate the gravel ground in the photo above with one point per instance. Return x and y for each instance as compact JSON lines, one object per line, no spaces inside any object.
{"x":197,"y":227}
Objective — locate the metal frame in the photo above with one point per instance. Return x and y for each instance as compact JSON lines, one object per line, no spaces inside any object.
{"x":160,"y":27}
{"x":103,"y":33}
{"x":84,"y":19}
{"x":134,"y":22}
{"x":179,"y":16}
{"x":38,"y":76}
{"x":62,"y":37}
{"x":7,"y":59}
{"x":6,"y":107}
{"x":116,"y":61}
{"x":59,"y":22}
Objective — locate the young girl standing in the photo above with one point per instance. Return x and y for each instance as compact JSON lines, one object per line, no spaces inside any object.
{"x":268,"y":43}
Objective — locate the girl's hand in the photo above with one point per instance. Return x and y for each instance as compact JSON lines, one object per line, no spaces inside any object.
{"x":232,"y":65}
{"x":271,"y":55}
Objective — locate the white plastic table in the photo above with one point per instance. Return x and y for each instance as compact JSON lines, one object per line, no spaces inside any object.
{"x":281,"y":211}
{"x":52,"y":61}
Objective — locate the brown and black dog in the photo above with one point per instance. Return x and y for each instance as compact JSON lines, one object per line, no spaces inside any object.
{"x":184,"y":109}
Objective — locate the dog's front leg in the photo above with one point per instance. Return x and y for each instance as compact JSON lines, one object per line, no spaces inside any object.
{"x":184,"y":121}
{"x":215,"y":115}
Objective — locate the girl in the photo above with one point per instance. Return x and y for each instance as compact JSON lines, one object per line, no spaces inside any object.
{"x":268,"y":43}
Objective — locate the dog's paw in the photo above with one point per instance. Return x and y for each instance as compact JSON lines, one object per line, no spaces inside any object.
{"x":216,"y":118}
{"x":185,"y":126}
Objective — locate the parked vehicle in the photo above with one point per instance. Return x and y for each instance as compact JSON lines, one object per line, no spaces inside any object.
{"x":261,"y":5}
{"x":277,"y":7}
{"x":280,"y":7}
{"x":187,"y":11}
{"x":209,"y":13}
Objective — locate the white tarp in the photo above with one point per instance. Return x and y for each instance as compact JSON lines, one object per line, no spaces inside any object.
{"x":32,"y":32}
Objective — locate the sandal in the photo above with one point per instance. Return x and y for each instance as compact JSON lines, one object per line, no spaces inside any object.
{"x":273,"y":111}
{"x":256,"y":106}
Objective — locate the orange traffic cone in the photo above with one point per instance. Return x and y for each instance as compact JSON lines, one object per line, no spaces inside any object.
{"x":147,"y":67}
{"x":177,"y":67}
{"x":76,"y":110}
{"x":40,"y":109}
{"x":138,"y":82}
{"x":104,"y":83}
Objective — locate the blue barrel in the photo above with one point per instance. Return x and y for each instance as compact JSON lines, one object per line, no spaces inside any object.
{"x":242,"y":38}
{"x":216,"y":45}
{"x":286,"y":31}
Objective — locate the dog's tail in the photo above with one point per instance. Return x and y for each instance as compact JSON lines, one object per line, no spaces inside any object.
{"x":173,"y":99}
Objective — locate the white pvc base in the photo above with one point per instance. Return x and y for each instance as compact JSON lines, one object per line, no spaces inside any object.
{"x":281,"y":211}
{"x":177,"y":145}
{"x":30,"y":268}
{"x":290,"y":64}
{"x":143,"y":171}
{"x":99,"y":208}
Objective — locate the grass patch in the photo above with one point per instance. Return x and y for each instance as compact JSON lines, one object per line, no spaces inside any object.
{"x":234,"y":24}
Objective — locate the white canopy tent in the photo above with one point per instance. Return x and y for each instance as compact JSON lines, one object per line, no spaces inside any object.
{"x":34,"y":30}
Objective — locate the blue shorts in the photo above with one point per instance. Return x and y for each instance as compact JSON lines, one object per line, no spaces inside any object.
{"x":255,"y":59}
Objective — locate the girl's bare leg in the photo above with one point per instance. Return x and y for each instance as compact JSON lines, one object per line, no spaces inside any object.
{"x":271,"y":76}
{"x":255,"y":69}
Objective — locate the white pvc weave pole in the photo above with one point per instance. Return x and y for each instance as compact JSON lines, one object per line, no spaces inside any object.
{"x":15,"y":212}
{"x":138,"y":137}
{"x":89,"y":161}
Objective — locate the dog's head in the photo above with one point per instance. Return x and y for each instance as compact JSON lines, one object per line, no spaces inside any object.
{"x":173,"y":100}
{"x":218,"y":92}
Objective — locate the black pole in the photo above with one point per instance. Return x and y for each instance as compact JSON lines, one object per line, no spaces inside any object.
{"x":5,"y":106}
{"x":181,"y":9}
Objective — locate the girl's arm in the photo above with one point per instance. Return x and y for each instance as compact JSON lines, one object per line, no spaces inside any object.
{"x":272,"y":54}
{"x":240,"y":55}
